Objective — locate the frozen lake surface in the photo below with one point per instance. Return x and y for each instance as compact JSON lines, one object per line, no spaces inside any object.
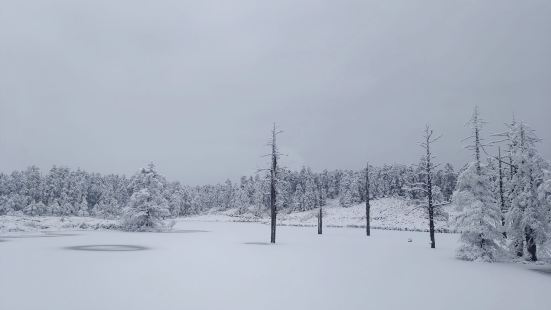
{"x":210,"y":265}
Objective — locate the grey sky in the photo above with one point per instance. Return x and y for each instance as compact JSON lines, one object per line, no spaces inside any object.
{"x":109,"y":85}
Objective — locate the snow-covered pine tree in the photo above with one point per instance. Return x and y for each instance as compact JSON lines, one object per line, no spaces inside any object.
{"x":479,"y":215}
{"x":346,"y":199}
{"x":449,"y":181}
{"x":83,"y":208}
{"x":147,"y":207}
{"x":55,"y":208}
{"x":349,"y":192}
{"x":298,"y":199}
{"x":31,"y":209}
{"x":260,"y":192}
{"x":284,"y":192}
{"x":310,"y":192}
{"x":544,"y":196}
{"x":241,"y":200}
{"x":527,"y":219}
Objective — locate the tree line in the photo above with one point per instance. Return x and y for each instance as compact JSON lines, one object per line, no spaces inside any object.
{"x":62,"y":191}
{"x":502,"y":199}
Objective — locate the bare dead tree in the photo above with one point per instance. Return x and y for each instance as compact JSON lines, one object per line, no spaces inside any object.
{"x":273,"y":182}
{"x":428,"y":140}
{"x":367,"y":203}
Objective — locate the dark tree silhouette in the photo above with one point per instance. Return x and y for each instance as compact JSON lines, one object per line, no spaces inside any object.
{"x":367,"y":203}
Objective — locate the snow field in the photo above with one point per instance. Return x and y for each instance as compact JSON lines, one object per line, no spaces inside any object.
{"x":230,"y":267}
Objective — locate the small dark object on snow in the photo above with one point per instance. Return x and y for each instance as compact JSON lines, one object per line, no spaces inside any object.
{"x":410,"y":240}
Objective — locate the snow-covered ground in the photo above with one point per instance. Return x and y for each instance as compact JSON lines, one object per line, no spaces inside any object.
{"x":220,"y":265}
{"x":386,"y":213}
{"x":16,"y":224}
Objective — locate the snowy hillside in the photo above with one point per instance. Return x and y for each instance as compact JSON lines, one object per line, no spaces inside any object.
{"x":386,"y":213}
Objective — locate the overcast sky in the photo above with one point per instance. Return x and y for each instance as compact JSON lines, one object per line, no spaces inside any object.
{"x":109,"y":85}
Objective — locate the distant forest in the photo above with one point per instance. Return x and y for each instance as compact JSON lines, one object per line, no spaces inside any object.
{"x":65,"y":192}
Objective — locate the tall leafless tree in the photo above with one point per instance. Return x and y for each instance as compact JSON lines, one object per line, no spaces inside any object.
{"x":273,"y":182}
{"x":428,"y":140}
{"x":367,"y":203}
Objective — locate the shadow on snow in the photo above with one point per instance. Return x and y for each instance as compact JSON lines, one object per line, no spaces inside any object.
{"x":107,"y":248}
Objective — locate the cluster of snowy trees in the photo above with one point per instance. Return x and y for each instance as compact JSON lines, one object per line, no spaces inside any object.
{"x":504,"y":202}
{"x":65,"y":192}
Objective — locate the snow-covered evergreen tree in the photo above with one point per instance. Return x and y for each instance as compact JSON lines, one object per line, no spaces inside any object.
{"x":527,"y":219}
{"x":83,"y":208}
{"x":544,"y":197}
{"x":147,"y":207}
{"x":479,"y":218}
{"x":349,"y":191}
{"x":298,"y":199}
{"x":55,"y":209}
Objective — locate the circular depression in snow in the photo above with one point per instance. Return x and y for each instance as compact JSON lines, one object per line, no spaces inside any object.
{"x":108,"y":248}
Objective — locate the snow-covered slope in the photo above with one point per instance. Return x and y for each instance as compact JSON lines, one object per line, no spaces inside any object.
{"x":386,"y":213}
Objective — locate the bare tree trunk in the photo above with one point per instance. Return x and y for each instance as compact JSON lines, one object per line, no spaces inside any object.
{"x":431,"y":207}
{"x":273,"y":193}
{"x":367,"y":203}
{"x":531,"y":246}
{"x":519,"y":247}
{"x":476,"y":123}
{"x":501,"y":193}
{"x":320,"y":221}
{"x":428,"y":170}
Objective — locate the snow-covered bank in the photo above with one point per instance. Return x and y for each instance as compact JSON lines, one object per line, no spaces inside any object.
{"x":386,"y":213}
{"x":17,"y":224}
{"x":226,"y":266}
